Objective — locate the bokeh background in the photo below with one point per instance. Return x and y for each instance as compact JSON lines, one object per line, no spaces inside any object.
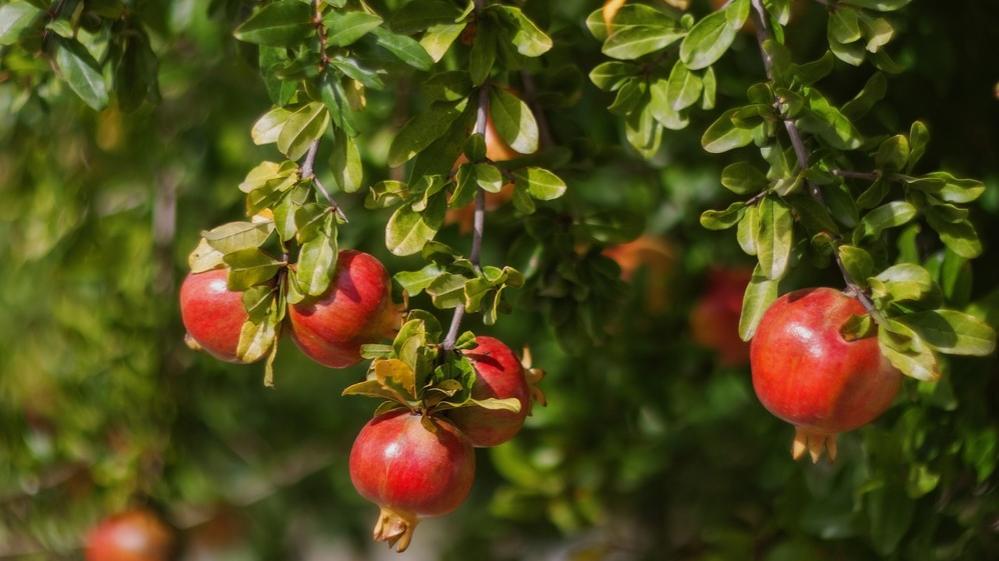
{"x":650,"y":448}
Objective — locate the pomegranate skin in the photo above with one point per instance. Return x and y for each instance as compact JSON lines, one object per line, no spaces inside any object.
{"x":410,"y":471}
{"x":212,"y":314}
{"x":136,"y":535}
{"x":714,"y":321}
{"x":357,"y":309}
{"x":499,"y":375}
{"x":805,"y":373}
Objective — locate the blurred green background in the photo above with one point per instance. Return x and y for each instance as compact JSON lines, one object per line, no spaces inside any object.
{"x":649,"y":449}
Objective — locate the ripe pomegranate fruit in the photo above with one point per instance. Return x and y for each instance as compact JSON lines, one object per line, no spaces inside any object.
{"x":500,"y":375}
{"x":410,"y":466}
{"x":357,"y":309}
{"x":807,"y":374}
{"x":212,"y":314}
{"x":134,"y":535}
{"x":714,"y":321}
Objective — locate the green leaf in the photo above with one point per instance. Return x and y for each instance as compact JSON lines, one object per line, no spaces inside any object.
{"x":874,"y":91}
{"x":952,"y":332}
{"x":893,"y":153}
{"x":345,"y":162}
{"x":406,"y":49}
{"x":960,"y":237}
{"x":775,"y":237}
{"x":352,"y":69}
{"x":346,"y":27}
{"x":919,"y":138}
{"x":743,"y":178}
{"x":257,"y":338}
{"x":539,"y":183}
{"x":529,"y":40}
{"x":483,"y":54}
{"x":82,"y":73}
{"x":844,"y":25}
{"x":303,"y":127}
{"x":249,"y":267}
{"x":858,"y":263}
{"x":723,"y":135}
{"x":417,"y":16}
{"x":439,"y":38}
{"x":447,"y":290}
{"x":450,"y":86}
{"x":268,"y":127}
{"x":879,"y":5}
{"x":905,"y":281}
{"x":407,"y":231}
{"x":950,"y":188}
{"x":514,"y":121}
{"x":284,"y":23}
{"x":611,"y":75}
{"x":858,"y":327}
{"x":488,"y":177}
{"x":631,"y":42}
{"x":15,"y":17}
{"x":684,"y":87}
{"x":236,"y":236}
{"x":749,"y":227}
{"x":825,"y":120}
{"x":708,"y":40}
{"x":890,"y":215}
{"x":204,"y":257}
{"x":907,"y":351}
{"x":422,"y":130}
{"x":317,"y":260}
{"x":710,"y":87}
{"x":760,"y":294}
{"x":414,"y":282}
{"x":811,"y":72}
{"x":723,"y":219}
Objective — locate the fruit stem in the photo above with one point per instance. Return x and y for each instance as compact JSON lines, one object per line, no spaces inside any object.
{"x":395,"y":527}
{"x":763,"y":34}
{"x":478,"y":225}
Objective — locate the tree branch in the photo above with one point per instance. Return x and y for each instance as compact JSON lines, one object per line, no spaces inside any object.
{"x":478,"y":224}
{"x":763,"y":34}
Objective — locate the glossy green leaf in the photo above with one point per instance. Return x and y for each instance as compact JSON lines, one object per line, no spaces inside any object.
{"x":343,"y":28}
{"x":513,"y":120}
{"x":760,"y":294}
{"x":281,"y":24}
{"x":79,"y":69}
{"x":539,"y":183}
{"x":708,"y":40}
{"x":303,"y":127}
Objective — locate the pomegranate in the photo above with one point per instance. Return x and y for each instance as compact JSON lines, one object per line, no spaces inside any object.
{"x":656,"y":255}
{"x":499,"y":375}
{"x":410,"y":471}
{"x":807,"y":374}
{"x":212,"y":314}
{"x":134,"y":535}
{"x":714,"y":321}
{"x":357,"y":309}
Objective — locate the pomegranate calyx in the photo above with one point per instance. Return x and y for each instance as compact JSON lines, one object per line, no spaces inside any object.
{"x":191,"y":343}
{"x":395,"y":527}
{"x":815,"y":443}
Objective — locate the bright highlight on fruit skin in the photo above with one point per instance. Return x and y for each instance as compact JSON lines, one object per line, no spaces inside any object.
{"x":807,"y":374}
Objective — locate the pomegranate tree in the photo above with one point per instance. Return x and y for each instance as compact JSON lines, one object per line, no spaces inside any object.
{"x":808,"y":374}
{"x":134,"y":535}
{"x":357,"y":309}
{"x":411,"y":466}
{"x":499,"y":375}
{"x":212,"y":314}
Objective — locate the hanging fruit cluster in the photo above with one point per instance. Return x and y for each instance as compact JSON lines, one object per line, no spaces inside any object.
{"x":282,"y":269}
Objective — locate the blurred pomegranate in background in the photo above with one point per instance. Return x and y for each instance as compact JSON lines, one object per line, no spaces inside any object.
{"x":714,"y":321}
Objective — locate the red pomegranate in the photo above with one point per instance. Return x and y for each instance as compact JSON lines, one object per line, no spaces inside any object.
{"x":714,"y":321}
{"x":135,"y":535}
{"x":212,"y":314}
{"x":499,"y":375}
{"x":357,"y":309}
{"x":807,"y":374}
{"x":410,"y":471}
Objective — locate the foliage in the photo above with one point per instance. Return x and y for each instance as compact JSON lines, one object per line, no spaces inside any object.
{"x":120,"y":115}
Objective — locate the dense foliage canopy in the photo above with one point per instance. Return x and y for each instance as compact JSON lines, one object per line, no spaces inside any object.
{"x":830,"y":141}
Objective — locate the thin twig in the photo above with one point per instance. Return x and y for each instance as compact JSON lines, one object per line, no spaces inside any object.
{"x":308,"y":172}
{"x":478,"y":225}
{"x":868,"y":175}
{"x":763,"y":34}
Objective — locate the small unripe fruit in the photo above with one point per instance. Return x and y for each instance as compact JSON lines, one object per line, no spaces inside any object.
{"x":499,"y":375}
{"x":807,"y":374}
{"x":135,"y":535}
{"x":714,"y":320}
{"x":411,"y":466}
{"x":357,"y":309}
{"x":212,"y":314}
